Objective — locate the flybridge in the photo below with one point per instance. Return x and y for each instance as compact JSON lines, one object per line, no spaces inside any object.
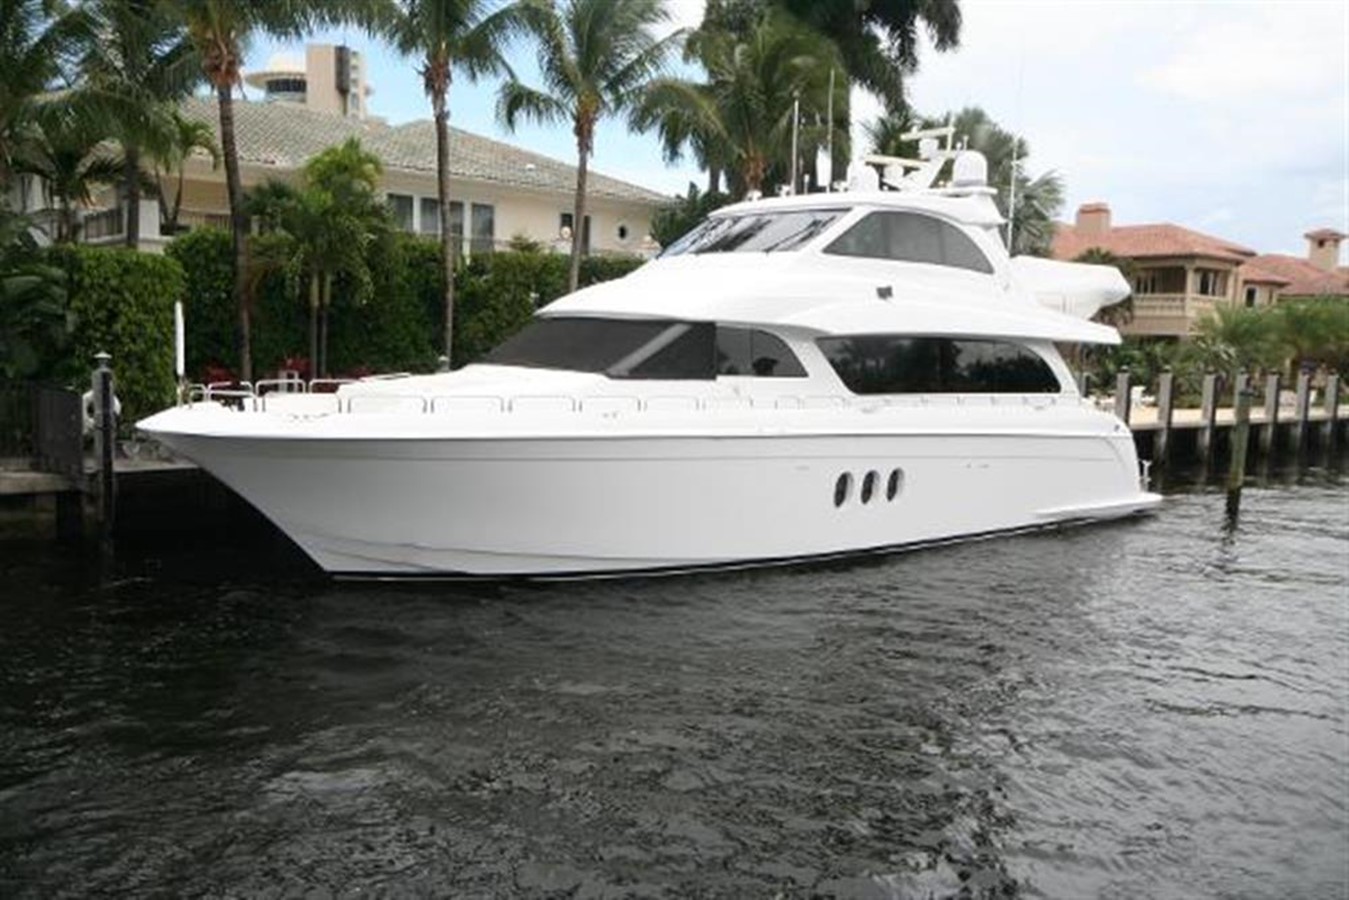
{"x":969,"y":168}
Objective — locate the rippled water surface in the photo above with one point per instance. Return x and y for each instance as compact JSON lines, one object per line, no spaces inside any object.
{"x":1147,"y":709}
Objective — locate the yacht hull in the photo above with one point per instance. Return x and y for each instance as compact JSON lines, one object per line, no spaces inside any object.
{"x":588,"y":506}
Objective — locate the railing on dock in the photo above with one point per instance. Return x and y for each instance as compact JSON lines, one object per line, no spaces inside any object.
{"x":43,"y":426}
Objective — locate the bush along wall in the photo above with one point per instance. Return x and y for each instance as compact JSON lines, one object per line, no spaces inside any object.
{"x":397,"y":329}
{"x":122,"y":304}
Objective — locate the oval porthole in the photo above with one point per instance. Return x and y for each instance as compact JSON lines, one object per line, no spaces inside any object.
{"x":842,"y":488}
{"x":869,"y":486}
{"x":895,"y":484}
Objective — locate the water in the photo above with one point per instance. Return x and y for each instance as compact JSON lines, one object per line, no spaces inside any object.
{"x":1155,"y":708}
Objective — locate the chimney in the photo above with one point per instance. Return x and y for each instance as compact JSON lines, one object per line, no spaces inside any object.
{"x":1323,"y":248}
{"x":1093,"y":219}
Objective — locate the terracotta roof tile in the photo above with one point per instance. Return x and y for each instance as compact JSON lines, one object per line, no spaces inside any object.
{"x":286,"y":136}
{"x":1146,"y":241}
{"x":1304,"y":279}
{"x":1253,"y":274}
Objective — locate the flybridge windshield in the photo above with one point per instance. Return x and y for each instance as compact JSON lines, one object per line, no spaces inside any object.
{"x":759,"y":232}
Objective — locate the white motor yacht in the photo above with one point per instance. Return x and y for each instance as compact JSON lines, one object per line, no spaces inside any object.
{"x":798,"y":377}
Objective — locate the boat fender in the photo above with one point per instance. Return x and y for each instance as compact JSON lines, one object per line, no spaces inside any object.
{"x":90,"y":421}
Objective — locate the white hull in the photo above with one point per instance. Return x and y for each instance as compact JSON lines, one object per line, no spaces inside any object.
{"x":601,"y":505}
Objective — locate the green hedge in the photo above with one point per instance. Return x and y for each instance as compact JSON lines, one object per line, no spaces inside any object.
{"x":122,"y":304}
{"x":399,"y":329}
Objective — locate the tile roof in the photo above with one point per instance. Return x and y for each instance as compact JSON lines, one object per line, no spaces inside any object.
{"x":1144,"y":241}
{"x":1250,"y":273}
{"x":1303,"y":278}
{"x":286,"y":136}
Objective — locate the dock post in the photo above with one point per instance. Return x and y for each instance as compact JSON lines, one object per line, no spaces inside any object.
{"x":1083,"y":383}
{"x":1208,"y":415}
{"x":1241,"y":435}
{"x":105,"y":437}
{"x":1122,"y":395}
{"x":1301,"y":410}
{"x":1271,"y":429}
{"x":1166,"y":392}
{"x":443,"y":364}
{"x":1330,"y":430}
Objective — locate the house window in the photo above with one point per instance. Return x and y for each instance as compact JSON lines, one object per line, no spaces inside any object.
{"x":400,"y":208}
{"x":1210,"y":282}
{"x":565,"y":220}
{"x":1250,"y":296}
{"x":1165,"y":280}
{"x":430,"y":223}
{"x":483,"y":224}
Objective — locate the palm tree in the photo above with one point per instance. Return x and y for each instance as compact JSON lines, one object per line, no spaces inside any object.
{"x":220,"y":31}
{"x":169,"y":159}
{"x":141,"y":63}
{"x":878,"y":42}
{"x":745,"y":106}
{"x":37,"y":40}
{"x":1234,"y":338}
{"x":444,"y":35}
{"x":597,"y":59}
{"x":69,"y":155}
{"x":33,"y":318}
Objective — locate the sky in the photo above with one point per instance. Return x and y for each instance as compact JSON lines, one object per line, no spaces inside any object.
{"x":1227,"y":116}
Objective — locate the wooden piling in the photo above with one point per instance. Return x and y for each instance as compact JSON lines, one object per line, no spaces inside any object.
{"x":1301,"y":410}
{"x":1241,"y":435}
{"x":1330,"y":430}
{"x":105,"y":439}
{"x":1122,"y":399}
{"x":1268,"y":434}
{"x":1208,"y":415}
{"x":1166,"y":392}
{"x":1083,"y":382}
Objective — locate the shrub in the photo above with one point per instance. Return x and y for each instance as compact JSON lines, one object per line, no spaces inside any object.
{"x":210,"y":318}
{"x":122,"y":303}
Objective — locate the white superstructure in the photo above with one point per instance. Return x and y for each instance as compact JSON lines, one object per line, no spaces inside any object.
{"x":798,"y":377}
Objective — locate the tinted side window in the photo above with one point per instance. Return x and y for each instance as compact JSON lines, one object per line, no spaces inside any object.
{"x":685,"y":351}
{"x":745,"y":351}
{"x":911,"y":237}
{"x":887,"y":364}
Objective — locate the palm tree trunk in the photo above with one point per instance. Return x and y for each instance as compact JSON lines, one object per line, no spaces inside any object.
{"x":325,"y":304}
{"x":313,"y":326}
{"x":578,"y":216}
{"x":713,"y":178}
{"x":239,"y":227}
{"x":131,"y":174}
{"x":439,"y":102}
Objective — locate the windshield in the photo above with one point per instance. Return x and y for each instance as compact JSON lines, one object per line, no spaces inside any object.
{"x":618,"y":348}
{"x":760,"y":232}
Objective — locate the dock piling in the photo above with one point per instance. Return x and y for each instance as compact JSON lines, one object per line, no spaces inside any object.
{"x":1301,"y":410}
{"x":105,"y":437}
{"x":1273,"y":382}
{"x":1166,"y":392}
{"x":1122,"y":395}
{"x":1330,"y":430}
{"x":1241,"y":435}
{"x":1208,"y":415}
{"x":1083,"y":382}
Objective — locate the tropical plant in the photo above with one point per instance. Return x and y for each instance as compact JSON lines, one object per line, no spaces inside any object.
{"x":745,"y":107}
{"x":220,"y":31}
{"x":37,"y":40}
{"x":324,"y":230}
{"x":1314,"y":332}
{"x":1231,"y":339}
{"x":673,"y":221}
{"x":141,"y":64}
{"x":169,"y":159}
{"x":34,"y":324}
{"x":878,"y":42}
{"x":597,"y":59}
{"x":444,"y":35}
{"x":67,"y":152}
